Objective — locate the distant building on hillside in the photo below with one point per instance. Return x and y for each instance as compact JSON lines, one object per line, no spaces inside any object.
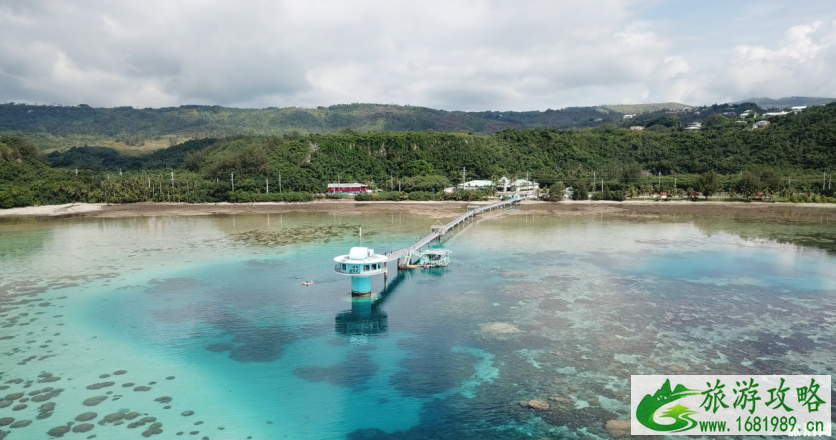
{"x":628,"y":116}
{"x":776,"y":114}
{"x":525,"y":185}
{"x":476,"y":184}
{"x":694,"y":126}
{"x":347,"y":188}
{"x":798,"y":108}
{"x":506,"y":184}
{"x":761,"y":124}
{"x":637,"y":128}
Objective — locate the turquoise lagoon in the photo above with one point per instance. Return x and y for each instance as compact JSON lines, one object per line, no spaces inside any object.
{"x":211,"y":313}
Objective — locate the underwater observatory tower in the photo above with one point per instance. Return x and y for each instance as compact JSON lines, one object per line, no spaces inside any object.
{"x":361,"y":264}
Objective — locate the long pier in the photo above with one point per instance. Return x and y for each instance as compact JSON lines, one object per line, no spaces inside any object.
{"x":438,"y":232}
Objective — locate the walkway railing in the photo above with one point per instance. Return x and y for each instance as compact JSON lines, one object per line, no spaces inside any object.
{"x":407,"y":251}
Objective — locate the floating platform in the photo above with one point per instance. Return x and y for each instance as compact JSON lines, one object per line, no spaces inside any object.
{"x":434,"y":258}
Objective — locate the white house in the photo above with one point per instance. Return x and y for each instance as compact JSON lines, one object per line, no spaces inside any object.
{"x":628,"y":116}
{"x":776,"y":114}
{"x":525,"y":185}
{"x":637,"y":128}
{"x":476,"y":184}
{"x":694,"y":126}
{"x":798,"y":108}
{"x":761,"y":124}
{"x":506,"y":184}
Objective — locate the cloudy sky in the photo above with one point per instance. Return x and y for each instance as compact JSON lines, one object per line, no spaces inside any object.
{"x":451,"y":54}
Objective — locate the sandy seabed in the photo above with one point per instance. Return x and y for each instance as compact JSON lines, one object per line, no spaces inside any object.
{"x":433,"y":209}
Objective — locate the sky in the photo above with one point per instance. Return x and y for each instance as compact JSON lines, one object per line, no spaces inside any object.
{"x":450,"y":54}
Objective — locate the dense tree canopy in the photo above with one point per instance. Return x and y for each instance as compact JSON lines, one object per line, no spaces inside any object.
{"x":794,"y":153}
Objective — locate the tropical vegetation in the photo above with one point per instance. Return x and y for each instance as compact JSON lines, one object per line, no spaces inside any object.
{"x":791,"y":159}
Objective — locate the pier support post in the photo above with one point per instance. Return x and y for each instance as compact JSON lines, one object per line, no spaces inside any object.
{"x":361,"y":285}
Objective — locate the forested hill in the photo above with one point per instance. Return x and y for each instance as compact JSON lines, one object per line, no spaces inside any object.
{"x":58,"y":127}
{"x":803,"y":141}
{"x":796,"y":152}
{"x":791,"y":101}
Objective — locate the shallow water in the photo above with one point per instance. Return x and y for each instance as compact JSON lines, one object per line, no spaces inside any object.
{"x":210,"y":312}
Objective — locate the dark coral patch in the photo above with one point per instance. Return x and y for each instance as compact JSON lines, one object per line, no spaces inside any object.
{"x":353,"y":372}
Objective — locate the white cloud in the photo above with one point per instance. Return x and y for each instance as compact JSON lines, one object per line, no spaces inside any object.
{"x":454,"y":54}
{"x":802,"y":65}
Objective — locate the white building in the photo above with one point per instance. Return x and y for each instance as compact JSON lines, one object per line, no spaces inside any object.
{"x":798,"y":108}
{"x":506,"y":184}
{"x":476,"y":184}
{"x":761,"y":124}
{"x":776,"y":114}
{"x":525,"y":185}
{"x":628,"y":116}
{"x":694,"y":126}
{"x":637,"y":128}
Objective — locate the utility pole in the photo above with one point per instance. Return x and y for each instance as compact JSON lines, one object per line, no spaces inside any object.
{"x":602,"y":184}
{"x":280,"y":183}
{"x":232,"y":179}
{"x":76,"y":171}
{"x":267,"y":181}
{"x":464,"y":175}
{"x":660,"y":181}
{"x":172,"y":179}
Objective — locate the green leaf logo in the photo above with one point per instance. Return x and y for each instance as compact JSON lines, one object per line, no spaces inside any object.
{"x":663,"y":396}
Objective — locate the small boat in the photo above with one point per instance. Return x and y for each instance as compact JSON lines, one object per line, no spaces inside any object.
{"x":408,"y":266}
{"x":434,"y":258}
{"x":308,"y":283}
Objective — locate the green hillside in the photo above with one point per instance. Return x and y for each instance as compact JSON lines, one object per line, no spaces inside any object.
{"x":791,"y":101}
{"x":632,"y":109}
{"x":140,"y":130}
{"x":789,"y":156}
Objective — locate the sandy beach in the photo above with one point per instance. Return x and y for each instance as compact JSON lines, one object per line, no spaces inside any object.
{"x":433,"y":209}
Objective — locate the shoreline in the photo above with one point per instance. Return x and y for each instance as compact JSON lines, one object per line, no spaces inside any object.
{"x":430,"y":208}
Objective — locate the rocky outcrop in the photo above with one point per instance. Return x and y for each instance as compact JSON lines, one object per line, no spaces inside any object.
{"x":619,"y":428}
{"x":84,"y":427}
{"x":499,"y":328}
{"x":100,"y":385}
{"x":93,"y":401}
{"x":85,"y":417}
{"x":58,"y":431}
{"x":535,"y":404}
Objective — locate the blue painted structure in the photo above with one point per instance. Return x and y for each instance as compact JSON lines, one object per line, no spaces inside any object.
{"x":361,"y":264}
